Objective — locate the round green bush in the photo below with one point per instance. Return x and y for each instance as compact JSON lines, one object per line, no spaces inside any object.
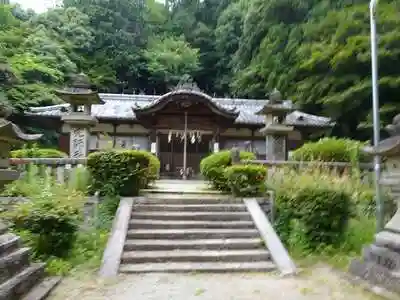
{"x":213,"y":167}
{"x":331,"y":150}
{"x":154,"y":167}
{"x":38,"y":153}
{"x":246,"y":180}
{"x":317,"y":214}
{"x":121,"y":173}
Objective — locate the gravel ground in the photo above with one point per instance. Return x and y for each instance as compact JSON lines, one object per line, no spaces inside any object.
{"x":316,"y":284}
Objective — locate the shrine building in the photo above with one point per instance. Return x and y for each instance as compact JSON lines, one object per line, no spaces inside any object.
{"x":180,"y":127}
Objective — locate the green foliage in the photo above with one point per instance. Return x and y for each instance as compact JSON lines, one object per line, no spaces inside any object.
{"x":168,"y":59}
{"x":320,"y":213}
{"x":49,"y":221}
{"x":331,"y":150}
{"x":332,"y":71}
{"x":121,"y":173}
{"x":31,"y":184}
{"x":36,"y":152}
{"x":213,"y":167}
{"x":315,"y":52}
{"x":107,"y":209}
{"x":153,"y":168}
{"x":246,"y":180}
{"x":79,"y":179}
{"x":317,"y":209}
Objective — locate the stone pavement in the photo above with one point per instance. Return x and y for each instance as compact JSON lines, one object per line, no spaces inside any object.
{"x":321,"y":283}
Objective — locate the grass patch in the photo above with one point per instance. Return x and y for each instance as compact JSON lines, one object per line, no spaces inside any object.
{"x":86,"y":255}
{"x":360,"y":232}
{"x":87,"y":252}
{"x":52,"y":222}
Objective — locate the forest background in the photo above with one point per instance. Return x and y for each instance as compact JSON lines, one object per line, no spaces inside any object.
{"x":316,"y":52}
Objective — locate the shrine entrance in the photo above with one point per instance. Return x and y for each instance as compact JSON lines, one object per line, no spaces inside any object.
{"x":185,"y":127}
{"x":171,"y":152}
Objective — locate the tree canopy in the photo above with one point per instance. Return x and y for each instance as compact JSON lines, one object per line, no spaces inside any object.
{"x":317,"y":52}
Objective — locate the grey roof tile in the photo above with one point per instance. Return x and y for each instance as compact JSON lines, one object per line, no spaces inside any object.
{"x":119,"y":106}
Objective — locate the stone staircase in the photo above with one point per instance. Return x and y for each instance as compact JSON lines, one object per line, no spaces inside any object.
{"x":179,"y":233}
{"x":20,"y":279}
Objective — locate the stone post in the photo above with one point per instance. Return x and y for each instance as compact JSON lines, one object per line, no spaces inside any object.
{"x":10,"y":135}
{"x":275,"y":130}
{"x":380,"y":263}
{"x":235,"y":155}
{"x":81,"y":97}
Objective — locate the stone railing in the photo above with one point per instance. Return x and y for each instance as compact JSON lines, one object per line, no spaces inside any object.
{"x":62,"y":170}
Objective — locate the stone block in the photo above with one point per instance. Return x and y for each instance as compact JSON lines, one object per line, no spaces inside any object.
{"x":388,"y":240}
{"x":394,"y":224}
{"x":382,"y":256}
{"x":375,"y":274}
{"x":13,"y":263}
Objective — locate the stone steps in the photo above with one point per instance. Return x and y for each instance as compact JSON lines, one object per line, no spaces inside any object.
{"x":168,"y":224}
{"x":201,"y":233}
{"x":214,"y":267}
{"x":198,"y":244}
{"x":195,"y":198}
{"x":18,"y":277}
{"x":195,"y":256}
{"x":190,"y":207}
{"x":177,"y":233}
{"x":43,"y":289}
{"x":18,"y":285}
{"x":180,"y":200}
{"x":200,"y":216}
{"x":8,"y":243}
{"x":13,"y":263}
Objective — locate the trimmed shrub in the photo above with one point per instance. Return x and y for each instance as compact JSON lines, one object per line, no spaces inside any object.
{"x":121,"y":173}
{"x":36,"y":152}
{"x":154,"y":167}
{"x":246,"y":180}
{"x":50,"y":221}
{"x":331,"y":150}
{"x":320,"y":213}
{"x":213,"y":167}
{"x":313,"y":207}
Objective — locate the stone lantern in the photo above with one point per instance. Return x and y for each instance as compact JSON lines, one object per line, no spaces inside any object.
{"x":380,"y":264}
{"x":10,"y":135}
{"x":275,"y":111}
{"x":81,"y":97}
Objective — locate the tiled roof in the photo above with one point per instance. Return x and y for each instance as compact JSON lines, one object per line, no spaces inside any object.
{"x":119,"y":106}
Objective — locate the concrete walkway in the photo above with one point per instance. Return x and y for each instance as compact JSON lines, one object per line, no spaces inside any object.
{"x":320,"y":283}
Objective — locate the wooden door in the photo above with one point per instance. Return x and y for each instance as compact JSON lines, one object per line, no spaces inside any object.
{"x":171,"y":154}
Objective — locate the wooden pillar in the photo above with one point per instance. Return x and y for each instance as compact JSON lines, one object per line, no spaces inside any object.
{"x":252,"y":140}
{"x":114,"y":139}
{"x":216,"y":141}
{"x":63,"y":142}
{"x":154,"y":142}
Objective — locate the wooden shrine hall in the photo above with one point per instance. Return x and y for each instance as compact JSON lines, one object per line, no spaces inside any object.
{"x":180,"y":127}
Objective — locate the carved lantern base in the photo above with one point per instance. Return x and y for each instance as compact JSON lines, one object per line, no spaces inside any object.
{"x":380,"y":262}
